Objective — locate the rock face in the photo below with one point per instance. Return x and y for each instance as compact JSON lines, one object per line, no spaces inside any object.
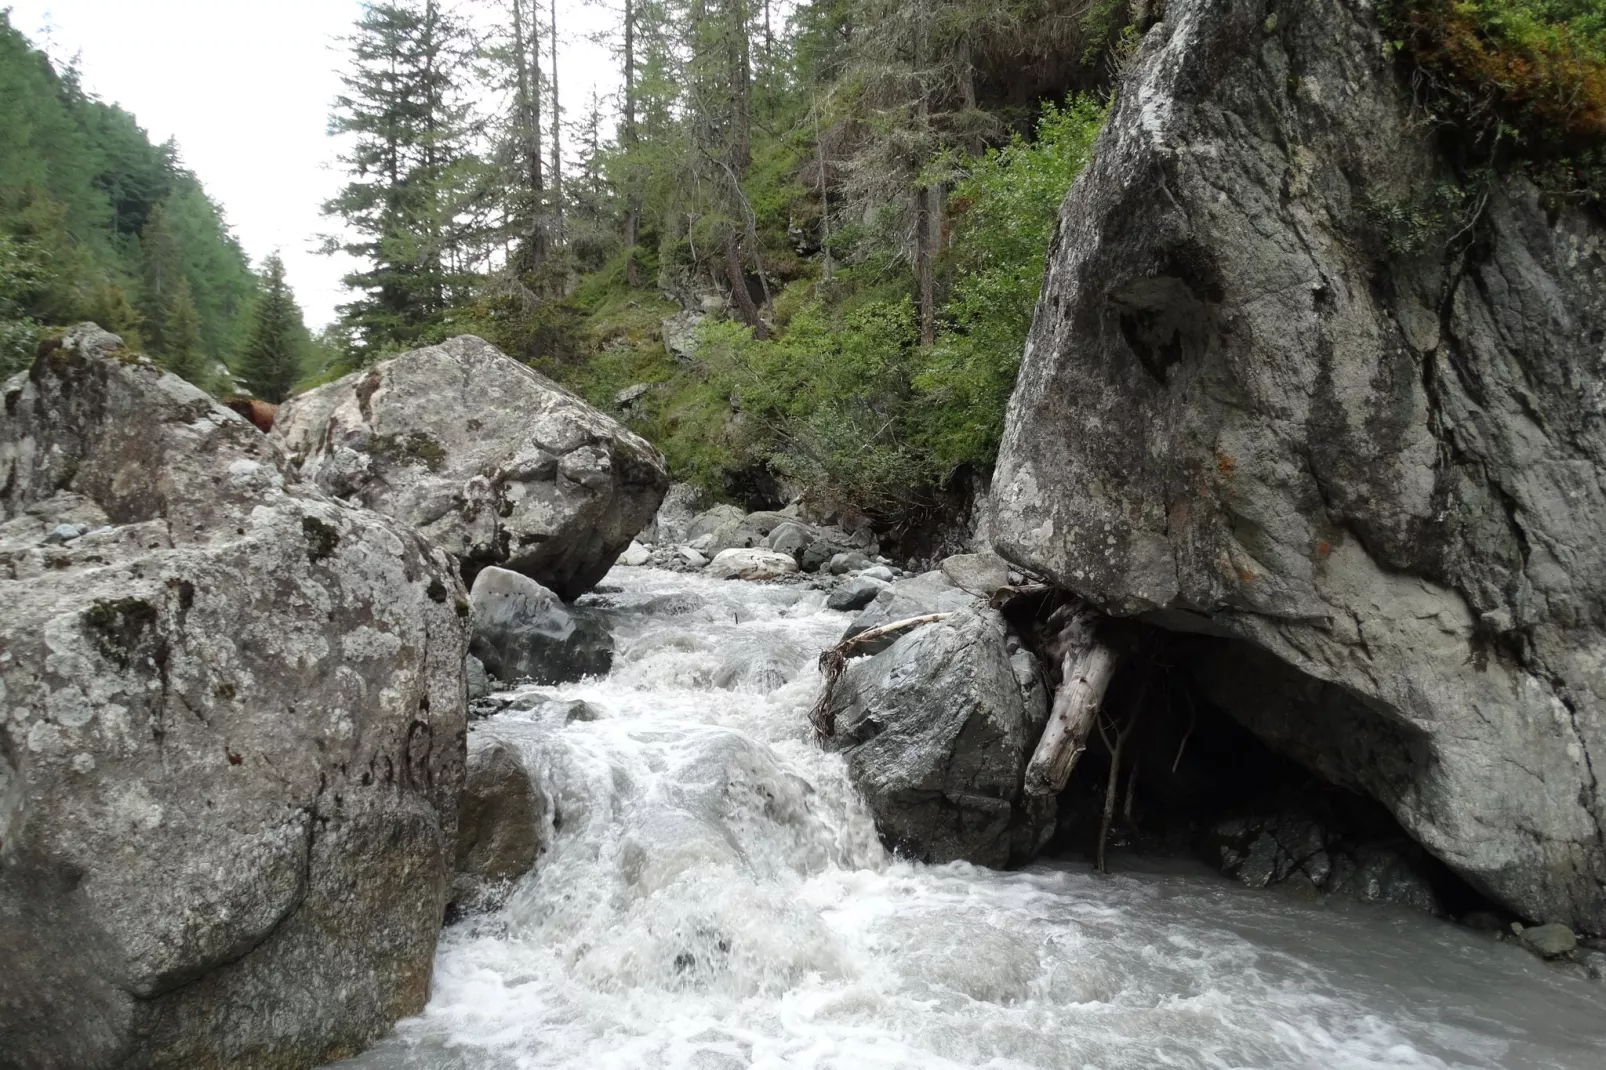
{"x":231,"y":736}
{"x":937,"y":730}
{"x":485,"y":457}
{"x":1244,"y":410}
{"x":522,"y":630}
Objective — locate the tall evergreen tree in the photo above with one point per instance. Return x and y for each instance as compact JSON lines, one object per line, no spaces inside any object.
{"x":275,"y":349}
{"x":161,"y":271}
{"x":409,"y":159}
{"x":182,"y":351}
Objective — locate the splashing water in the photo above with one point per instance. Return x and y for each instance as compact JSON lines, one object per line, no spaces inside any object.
{"x":714,"y":896}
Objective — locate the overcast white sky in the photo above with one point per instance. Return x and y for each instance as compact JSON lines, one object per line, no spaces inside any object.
{"x":245,"y":87}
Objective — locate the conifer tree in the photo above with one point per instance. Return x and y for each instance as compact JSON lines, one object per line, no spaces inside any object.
{"x":408,"y":166}
{"x":182,"y":353}
{"x":274,"y":350}
{"x":161,"y":271}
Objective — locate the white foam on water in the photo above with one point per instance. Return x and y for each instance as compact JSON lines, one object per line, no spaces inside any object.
{"x":714,"y":896}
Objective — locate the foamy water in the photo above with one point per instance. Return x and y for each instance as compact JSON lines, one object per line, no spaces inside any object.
{"x":714,"y":897}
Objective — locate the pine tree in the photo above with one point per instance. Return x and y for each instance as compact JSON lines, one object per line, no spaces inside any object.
{"x":408,"y":166}
{"x":275,"y":349}
{"x":161,"y":272}
{"x":182,"y":353}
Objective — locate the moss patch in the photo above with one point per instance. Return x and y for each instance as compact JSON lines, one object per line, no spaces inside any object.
{"x":321,"y":538}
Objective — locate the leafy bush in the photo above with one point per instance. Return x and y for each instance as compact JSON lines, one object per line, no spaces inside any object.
{"x":1006,"y":213}
{"x":1523,"y":80}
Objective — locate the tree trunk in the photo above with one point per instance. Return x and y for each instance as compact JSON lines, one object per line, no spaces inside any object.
{"x":629,"y":136}
{"x":529,"y":112}
{"x":739,"y":291}
{"x":923,"y":265}
{"x":1087,"y":674}
{"x":557,"y":132}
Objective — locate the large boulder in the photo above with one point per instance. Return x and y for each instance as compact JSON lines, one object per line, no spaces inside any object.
{"x":1247,"y":409}
{"x":937,"y":730}
{"x":231,"y":736}
{"x":521,"y":631}
{"x":486,"y":457}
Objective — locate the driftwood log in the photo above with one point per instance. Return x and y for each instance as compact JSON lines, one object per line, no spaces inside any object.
{"x":1087,"y":666}
{"x":835,"y":660}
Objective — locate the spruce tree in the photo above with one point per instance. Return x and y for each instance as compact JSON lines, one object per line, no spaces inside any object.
{"x":182,"y":353}
{"x":161,"y":271}
{"x":273,"y":356}
{"x":408,"y":164}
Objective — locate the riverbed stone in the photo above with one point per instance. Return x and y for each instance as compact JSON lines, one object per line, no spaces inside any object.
{"x":232,"y":740}
{"x":980,"y":574}
{"x":916,"y":596}
{"x":791,"y":539}
{"x":854,"y":594}
{"x":635,"y":555}
{"x":937,"y":730}
{"x":680,"y":507}
{"x":1245,"y":410}
{"x":744,"y":564}
{"x":521,"y":631}
{"x":1548,"y":941}
{"x":500,"y":829}
{"x":483,"y":455}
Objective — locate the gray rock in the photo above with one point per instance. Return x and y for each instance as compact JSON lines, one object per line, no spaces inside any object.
{"x":478,"y":680}
{"x":980,"y":574}
{"x":673,"y":522}
{"x":63,"y":533}
{"x":483,"y":455}
{"x":744,"y":564}
{"x":692,"y":557}
{"x":879,"y":572}
{"x":713,"y":529}
{"x":854,"y":594}
{"x":791,"y":539}
{"x":635,"y":556}
{"x":1593,"y":962}
{"x":1242,"y":411}
{"x":680,"y":335}
{"x":824,"y":546}
{"x":500,"y":833}
{"x":850,"y":561}
{"x":232,"y":745}
{"x":521,"y":630}
{"x":1548,"y":941}
{"x":627,"y":397}
{"x":937,"y":730}
{"x":919,"y":596}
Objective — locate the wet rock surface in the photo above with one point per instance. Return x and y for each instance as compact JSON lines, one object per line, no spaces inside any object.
{"x":500,"y":831}
{"x":937,"y":730}
{"x":522,"y":631}
{"x":232,"y":740}
{"x":484,"y":456}
{"x":1243,"y":412}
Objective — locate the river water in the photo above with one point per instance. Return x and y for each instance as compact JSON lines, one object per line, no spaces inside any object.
{"x":714,"y":897}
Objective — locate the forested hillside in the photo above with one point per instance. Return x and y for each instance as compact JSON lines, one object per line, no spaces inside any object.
{"x":98,"y":223}
{"x":811,"y":253}
{"x":835,"y":214}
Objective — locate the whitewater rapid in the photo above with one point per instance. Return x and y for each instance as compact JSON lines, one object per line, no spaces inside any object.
{"x":714,"y":896}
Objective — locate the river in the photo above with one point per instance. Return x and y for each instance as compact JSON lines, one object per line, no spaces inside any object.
{"x":714,"y":896}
